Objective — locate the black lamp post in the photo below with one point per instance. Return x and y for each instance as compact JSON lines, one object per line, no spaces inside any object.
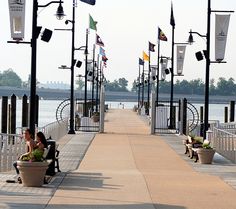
{"x":208,"y":62}
{"x":60,"y":15}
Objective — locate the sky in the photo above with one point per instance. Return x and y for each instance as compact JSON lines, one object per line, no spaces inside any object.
{"x":125,"y":27}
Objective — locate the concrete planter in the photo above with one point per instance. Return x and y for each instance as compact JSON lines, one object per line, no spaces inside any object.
{"x":32,"y":173}
{"x":205,"y":155}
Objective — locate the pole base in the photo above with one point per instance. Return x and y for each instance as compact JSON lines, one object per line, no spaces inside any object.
{"x":71,"y":131}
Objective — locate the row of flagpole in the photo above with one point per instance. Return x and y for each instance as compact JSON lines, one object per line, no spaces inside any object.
{"x":94,"y":72}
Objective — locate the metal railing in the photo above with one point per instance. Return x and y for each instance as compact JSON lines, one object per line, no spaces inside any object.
{"x":12,"y":146}
{"x":225,"y":143}
{"x":55,"y":130}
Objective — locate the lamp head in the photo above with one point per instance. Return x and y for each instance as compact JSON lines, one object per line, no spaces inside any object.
{"x":60,"y":12}
{"x":190,"y":38}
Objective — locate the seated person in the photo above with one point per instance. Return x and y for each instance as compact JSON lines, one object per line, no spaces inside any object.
{"x":30,"y":147}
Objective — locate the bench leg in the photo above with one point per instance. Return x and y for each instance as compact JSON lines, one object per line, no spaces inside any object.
{"x":57,"y":165}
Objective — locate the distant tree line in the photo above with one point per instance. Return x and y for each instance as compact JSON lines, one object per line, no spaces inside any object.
{"x":195,"y":86}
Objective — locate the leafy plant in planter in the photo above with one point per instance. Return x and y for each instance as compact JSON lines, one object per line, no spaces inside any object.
{"x":96,"y":116}
{"x":206,"y":153}
{"x":33,"y":168}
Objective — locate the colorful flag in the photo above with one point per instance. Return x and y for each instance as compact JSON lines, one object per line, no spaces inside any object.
{"x":99,"y":40}
{"x":161,"y":35}
{"x":141,"y":62}
{"x":145,"y":56}
{"x":151,"y":47}
{"x":92,"y":23}
{"x":172,"y":19}
{"x":102,"y":51}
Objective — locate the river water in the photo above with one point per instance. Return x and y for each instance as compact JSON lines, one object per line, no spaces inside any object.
{"x":47,"y":110}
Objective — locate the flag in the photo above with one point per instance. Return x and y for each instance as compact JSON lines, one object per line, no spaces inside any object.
{"x":92,"y":23}
{"x":104,"y":58}
{"x":172,"y":19}
{"x":161,"y":35}
{"x":141,"y":62}
{"x":102,"y":51}
{"x":99,"y":40}
{"x":91,"y":2}
{"x":151,"y":47}
{"x":145,"y":56}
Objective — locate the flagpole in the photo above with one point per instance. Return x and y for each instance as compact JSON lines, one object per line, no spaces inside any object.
{"x":94,"y":47}
{"x":148,"y":96}
{"x":85,"y":75}
{"x":158,"y":71}
{"x":172,"y":22}
{"x":97,"y":83}
{"x":138,"y":84}
{"x":143,"y":84}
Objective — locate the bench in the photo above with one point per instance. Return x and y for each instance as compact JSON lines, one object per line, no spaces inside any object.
{"x":57,"y":158}
{"x":191,"y":147}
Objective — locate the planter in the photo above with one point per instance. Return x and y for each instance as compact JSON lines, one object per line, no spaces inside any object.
{"x":205,"y":155}
{"x":32,"y":173}
{"x":95,"y":118}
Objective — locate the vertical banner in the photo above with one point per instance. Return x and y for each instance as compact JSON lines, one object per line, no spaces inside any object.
{"x":221,"y":32}
{"x":180,"y":59}
{"x":153,"y":74}
{"x":17,"y":18}
{"x":89,"y":72}
{"x":164,"y":63}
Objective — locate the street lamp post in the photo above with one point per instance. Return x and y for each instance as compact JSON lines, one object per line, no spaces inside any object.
{"x":60,"y":14}
{"x":208,"y":62}
{"x":72,"y":112}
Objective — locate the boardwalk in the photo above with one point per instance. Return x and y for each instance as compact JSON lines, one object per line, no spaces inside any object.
{"x":126,"y":168}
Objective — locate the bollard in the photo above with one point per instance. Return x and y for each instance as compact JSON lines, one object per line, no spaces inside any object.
{"x":13,"y":115}
{"x":232,"y":108}
{"x":226,"y":115}
{"x":4,"y":113}
{"x":24,"y":122}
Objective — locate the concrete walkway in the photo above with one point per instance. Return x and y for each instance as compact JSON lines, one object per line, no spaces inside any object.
{"x":124,"y":168}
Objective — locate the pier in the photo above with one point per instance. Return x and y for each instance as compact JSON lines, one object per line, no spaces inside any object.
{"x":127,"y":168}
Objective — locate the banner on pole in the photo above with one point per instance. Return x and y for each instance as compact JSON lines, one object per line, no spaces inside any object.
{"x":17,"y":18}
{"x":180,"y":59}
{"x":164,"y":63}
{"x":221,"y":32}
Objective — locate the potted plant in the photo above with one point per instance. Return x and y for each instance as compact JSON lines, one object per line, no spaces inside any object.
{"x":33,"y":168}
{"x":96,"y":117}
{"x":206,"y":153}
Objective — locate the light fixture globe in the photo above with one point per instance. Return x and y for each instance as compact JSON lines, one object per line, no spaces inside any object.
{"x":60,"y":12}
